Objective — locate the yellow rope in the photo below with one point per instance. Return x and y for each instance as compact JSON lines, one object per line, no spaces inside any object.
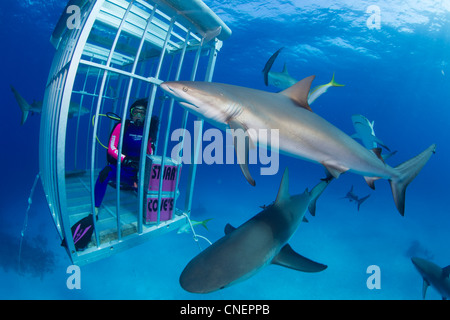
{"x":103,"y":115}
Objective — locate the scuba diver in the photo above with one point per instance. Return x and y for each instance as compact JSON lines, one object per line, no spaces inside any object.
{"x":131,"y":149}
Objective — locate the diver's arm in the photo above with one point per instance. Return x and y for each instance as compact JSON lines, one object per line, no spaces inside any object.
{"x":113,"y":150}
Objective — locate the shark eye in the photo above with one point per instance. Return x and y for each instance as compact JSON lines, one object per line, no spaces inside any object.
{"x":185,"y":89}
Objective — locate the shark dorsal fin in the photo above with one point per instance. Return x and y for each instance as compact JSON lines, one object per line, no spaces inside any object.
{"x":298,"y":93}
{"x":285,"y":69}
{"x":229,"y":228}
{"x":283,"y":192}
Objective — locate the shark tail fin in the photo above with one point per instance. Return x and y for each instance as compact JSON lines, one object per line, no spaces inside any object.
{"x":407,"y":172}
{"x":334,"y":83}
{"x":360,"y":201}
{"x":23,"y":104}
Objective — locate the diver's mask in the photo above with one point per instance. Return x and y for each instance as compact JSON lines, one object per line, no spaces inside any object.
{"x":138,"y":115}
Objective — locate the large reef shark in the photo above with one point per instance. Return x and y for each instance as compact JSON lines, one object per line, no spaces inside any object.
{"x":260,"y":241}
{"x":284,"y":80}
{"x":433,"y":275}
{"x":302,"y":133}
{"x":36,"y":107}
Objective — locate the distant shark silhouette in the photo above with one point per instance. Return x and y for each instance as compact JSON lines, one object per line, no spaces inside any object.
{"x":434,"y":276}
{"x":353,"y":197}
{"x":283,"y":80}
{"x":260,"y":241}
{"x":302,"y":133}
{"x":36,"y":106}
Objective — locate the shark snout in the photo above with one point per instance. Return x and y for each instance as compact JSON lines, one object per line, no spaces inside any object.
{"x":166,"y":87}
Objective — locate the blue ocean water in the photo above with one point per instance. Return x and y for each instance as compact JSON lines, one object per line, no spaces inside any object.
{"x":397,"y":76}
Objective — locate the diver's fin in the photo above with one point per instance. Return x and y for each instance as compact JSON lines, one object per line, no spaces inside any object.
{"x":268,"y":65}
{"x":288,"y":258}
{"x":299,"y":92}
{"x":23,"y":104}
{"x":407,"y":172}
{"x":242,"y":151}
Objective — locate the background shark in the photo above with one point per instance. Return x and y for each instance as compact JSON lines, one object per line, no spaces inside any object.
{"x":260,"y":241}
{"x":36,"y":106}
{"x":434,"y":276}
{"x":283,"y":80}
{"x":353,"y":197}
{"x":365,"y":132}
{"x":302,"y":133}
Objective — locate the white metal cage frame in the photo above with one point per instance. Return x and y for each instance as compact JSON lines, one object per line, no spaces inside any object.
{"x":119,"y":51}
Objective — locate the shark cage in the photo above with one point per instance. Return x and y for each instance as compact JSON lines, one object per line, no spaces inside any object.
{"x":109,"y":53}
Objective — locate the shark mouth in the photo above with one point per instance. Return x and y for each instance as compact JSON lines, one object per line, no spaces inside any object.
{"x":188,"y":105}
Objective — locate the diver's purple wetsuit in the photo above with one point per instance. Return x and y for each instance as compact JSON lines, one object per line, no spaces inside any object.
{"x":132,"y":140}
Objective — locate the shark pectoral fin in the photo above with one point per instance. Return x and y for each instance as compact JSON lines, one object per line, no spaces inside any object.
{"x":288,"y":258}
{"x":305,"y":220}
{"x":371,"y":181}
{"x":424,"y":288}
{"x":334,"y":169}
{"x":299,"y":92}
{"x":377,"y":152}
{"x":242,"y":149}
{"x":355,"y":136}
{"x":387,"y":156}
{"x":229,"y":228}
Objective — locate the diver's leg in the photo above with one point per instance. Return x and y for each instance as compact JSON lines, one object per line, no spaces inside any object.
{"x":106,"y":175}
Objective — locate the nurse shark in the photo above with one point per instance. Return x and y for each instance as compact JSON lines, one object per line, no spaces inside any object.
{"x":260,"y":241}
{"x":302,"y":133}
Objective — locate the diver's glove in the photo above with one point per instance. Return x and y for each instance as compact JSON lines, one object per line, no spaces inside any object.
{"x":131,"y":162}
